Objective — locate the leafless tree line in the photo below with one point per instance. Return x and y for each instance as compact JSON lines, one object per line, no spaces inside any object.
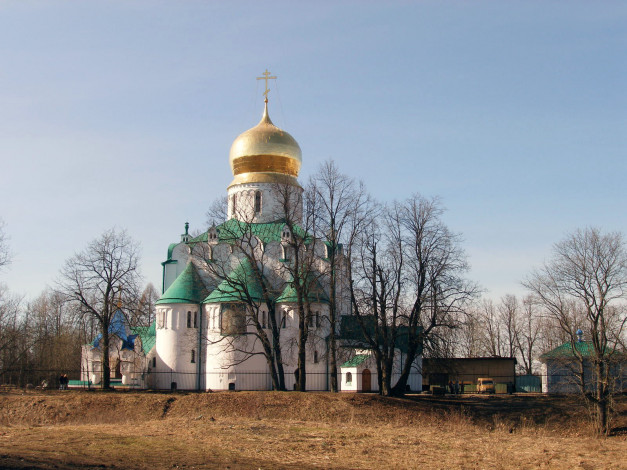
{"x":42,"y":338}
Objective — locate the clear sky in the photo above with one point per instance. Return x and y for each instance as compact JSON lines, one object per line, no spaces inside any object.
{"x":122,"y":113}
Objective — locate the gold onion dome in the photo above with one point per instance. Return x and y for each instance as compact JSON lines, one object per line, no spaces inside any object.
{"x":265,"y":154}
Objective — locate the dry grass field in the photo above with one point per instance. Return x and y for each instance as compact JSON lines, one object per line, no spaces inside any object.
{"x":72,"y":429}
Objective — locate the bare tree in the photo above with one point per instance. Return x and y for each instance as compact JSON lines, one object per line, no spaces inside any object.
{"x":586,"y":281}
{"x":341,"y":204}
{"x":408,"y":279}
{"x":99,"y":277}
{"x":529,"y":329}
{"x":300,"y":212}
{"x":13,"y":343}
{"x":508,"y":320}
{"x":250,"y":283}
{"x":376,"y":267}
{"x":144,"y":314}
{"x":5,"y":254}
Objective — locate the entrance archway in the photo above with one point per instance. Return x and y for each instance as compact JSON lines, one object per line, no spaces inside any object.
{"x":365,"y":381}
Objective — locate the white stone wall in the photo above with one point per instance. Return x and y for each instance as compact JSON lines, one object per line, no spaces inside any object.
{"x":174,"y":345}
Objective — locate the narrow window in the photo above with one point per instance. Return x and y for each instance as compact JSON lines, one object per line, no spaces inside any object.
{"x":284,"y":320}
{"x":310,"y":321}
{"x":193,"y":356}
{"x":189,"y":319}
{"x":349,"y":378}
{"x":234,"y":204}
{"x":317,"y":319}
{"x":257,"y":202}
{"x":315,"y":357}
{"x":263,"y":319}
{"x":195,"y":319}
{"x":154,"y":361}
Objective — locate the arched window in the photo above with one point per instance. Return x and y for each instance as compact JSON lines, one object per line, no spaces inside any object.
{"x":234,"y":208}
{"x":257,"y":202}
{"x":284,"y":320}
{"x":349,"y":378}
{"x":263,"y":319}
{"x":154,"y":361}
{"x":189,"y":319}
{"x":317,"y":319}
{"x":195,"y":319}
{"x":315,"y":357}
{"x":193,"y":356}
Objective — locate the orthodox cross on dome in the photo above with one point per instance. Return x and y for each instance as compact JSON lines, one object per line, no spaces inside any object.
{"x":266,"y":77}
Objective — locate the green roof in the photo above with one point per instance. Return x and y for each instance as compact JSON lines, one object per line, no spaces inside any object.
{"x":241,"y":285}
{"x":352,"y":333}
{"x":188,"y":287}
{"x":148,"y":336}
{"x":233,"y":229}
{"x":316,"y":293}
{"x":356,"y":361}
{"x":171,"y":249}
{"x":585,"y":348}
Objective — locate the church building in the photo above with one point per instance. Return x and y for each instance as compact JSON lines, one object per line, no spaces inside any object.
{"x":232,"y":295}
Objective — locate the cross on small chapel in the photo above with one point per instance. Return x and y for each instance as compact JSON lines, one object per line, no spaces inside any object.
{"x":266,"y":77}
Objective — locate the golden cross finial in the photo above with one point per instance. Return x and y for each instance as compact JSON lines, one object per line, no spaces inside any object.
{"x":266,"y":77}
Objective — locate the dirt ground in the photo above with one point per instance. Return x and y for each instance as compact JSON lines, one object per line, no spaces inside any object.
{"x":78,"y":429}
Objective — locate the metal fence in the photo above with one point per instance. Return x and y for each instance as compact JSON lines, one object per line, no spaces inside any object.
{"x":254,"y":380}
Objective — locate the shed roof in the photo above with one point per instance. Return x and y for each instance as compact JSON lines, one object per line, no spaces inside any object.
{"x":356,"y":361}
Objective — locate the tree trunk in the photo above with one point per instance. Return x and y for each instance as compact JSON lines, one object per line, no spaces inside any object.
{"x":276,"y":358}
{"x":332,"y":322}
{"x":602,"y":402}
{"x":302,"y":342}
{"x":106,"y":370}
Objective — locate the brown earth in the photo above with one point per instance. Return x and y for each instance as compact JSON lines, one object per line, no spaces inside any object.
{"x":78,"y":429}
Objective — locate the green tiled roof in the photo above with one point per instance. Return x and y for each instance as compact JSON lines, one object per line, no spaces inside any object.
{"x":241,"y":285}
{"x":148,"y":336}
{"x":356,"y":361}
{"x":585,"y":348}
{"x":186,"y":288}
{"x":316,"y":293}
{"x":233,"y":229}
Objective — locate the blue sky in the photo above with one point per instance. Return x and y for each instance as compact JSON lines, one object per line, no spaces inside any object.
{"x":122,"y":113}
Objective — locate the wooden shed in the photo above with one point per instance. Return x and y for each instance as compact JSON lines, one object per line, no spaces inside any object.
{"x":466,"y":371}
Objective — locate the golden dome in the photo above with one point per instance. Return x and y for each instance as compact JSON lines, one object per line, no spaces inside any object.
{"x":265,"y":153}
